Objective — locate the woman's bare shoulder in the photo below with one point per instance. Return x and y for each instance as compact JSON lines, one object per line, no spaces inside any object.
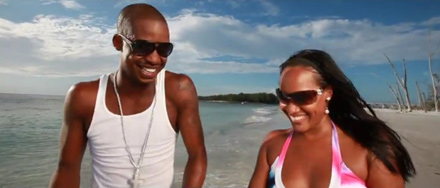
{"x":273,"y":143}
{"x":276,"y":135}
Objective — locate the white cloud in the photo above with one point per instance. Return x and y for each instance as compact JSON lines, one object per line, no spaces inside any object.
{"x":349,"y":41}
{"x":271,"y":9}
{"x":55,"y":46}
{"x":70,"y":4}
{"x":65,"y":46}
{"x":276,"y":61}
{"x":58,"y":38}
{"x":222,"y":67}
{"x":433,"y":21}
{"x":234,"y":3}
{"x":123,"y":3}
{"x":3,"y":2}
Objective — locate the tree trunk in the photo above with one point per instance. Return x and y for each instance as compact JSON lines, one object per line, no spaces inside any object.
{"x":400,"y":94}
{"x":424,"y":99}
{"x":434,"y":84}
{"x":433,"y":76}
{"x":421,"y":102}
{"x":396,"y":96}
{"x":402,"y":81}
{"x":405,"y":86}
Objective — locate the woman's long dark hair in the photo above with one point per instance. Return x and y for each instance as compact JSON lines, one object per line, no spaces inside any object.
{"x":347,"y":110}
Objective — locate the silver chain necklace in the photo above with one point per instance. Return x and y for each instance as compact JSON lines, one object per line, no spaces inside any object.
{"x":136,"y":181}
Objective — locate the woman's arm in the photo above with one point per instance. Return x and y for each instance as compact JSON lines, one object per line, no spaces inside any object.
{"x":380,"y":176}
{"x":261,"y":172}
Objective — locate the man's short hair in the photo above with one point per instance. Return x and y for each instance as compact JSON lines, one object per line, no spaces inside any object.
{"x":136,"y":11}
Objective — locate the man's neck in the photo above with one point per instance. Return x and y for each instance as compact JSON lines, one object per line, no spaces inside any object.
{"x":129,"y":87}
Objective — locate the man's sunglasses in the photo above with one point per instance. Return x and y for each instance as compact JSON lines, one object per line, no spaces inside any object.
{"x":300,"y":97}
{"x":144,"y":48}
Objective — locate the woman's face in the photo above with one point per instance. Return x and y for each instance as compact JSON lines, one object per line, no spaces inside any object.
{"x":302,"y":98}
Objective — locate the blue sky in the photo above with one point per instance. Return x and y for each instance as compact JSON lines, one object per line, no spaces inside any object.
{"x":226,"y":46}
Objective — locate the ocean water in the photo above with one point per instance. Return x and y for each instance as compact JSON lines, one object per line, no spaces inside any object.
{"x":30,"y":127}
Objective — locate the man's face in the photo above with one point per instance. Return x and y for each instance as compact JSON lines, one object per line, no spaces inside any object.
{"x":144,"y":67}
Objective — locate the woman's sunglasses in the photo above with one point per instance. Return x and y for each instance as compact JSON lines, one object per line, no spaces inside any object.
{"x":143,"y":47}
{"x":300,"y":97}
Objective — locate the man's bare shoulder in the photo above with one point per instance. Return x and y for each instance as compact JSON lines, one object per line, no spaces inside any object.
{"x":180,"y":84}
{"x":180,"y":89}
{"x":82,"y":95}
{"x":178,"y":80}
{"x":84,"y":89}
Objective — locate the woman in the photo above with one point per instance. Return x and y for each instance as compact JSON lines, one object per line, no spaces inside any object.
{"x":334,"y":141}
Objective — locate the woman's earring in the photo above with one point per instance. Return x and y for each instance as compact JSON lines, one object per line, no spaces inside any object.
{"x":326,"y":108}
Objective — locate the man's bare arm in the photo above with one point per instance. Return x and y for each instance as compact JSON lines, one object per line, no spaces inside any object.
{"x":190,"y":126}
{"x":72,"y":142}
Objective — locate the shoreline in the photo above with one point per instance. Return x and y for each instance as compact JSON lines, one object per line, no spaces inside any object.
{"x":413,"y":112}
{"x":235,"y":102}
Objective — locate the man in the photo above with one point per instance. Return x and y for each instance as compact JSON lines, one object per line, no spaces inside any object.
{"x":156,"y":104}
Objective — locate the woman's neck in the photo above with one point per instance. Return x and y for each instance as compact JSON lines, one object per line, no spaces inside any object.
{"x":321,"y":129}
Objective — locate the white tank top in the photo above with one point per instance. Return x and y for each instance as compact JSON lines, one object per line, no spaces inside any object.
{"x":110,"y":161}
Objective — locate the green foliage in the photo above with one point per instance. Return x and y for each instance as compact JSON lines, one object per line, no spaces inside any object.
{"x":267,"y":98}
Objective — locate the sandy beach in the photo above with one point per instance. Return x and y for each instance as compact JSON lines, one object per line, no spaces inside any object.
{"x":420,"y":134}
{"x":232,"y":166}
